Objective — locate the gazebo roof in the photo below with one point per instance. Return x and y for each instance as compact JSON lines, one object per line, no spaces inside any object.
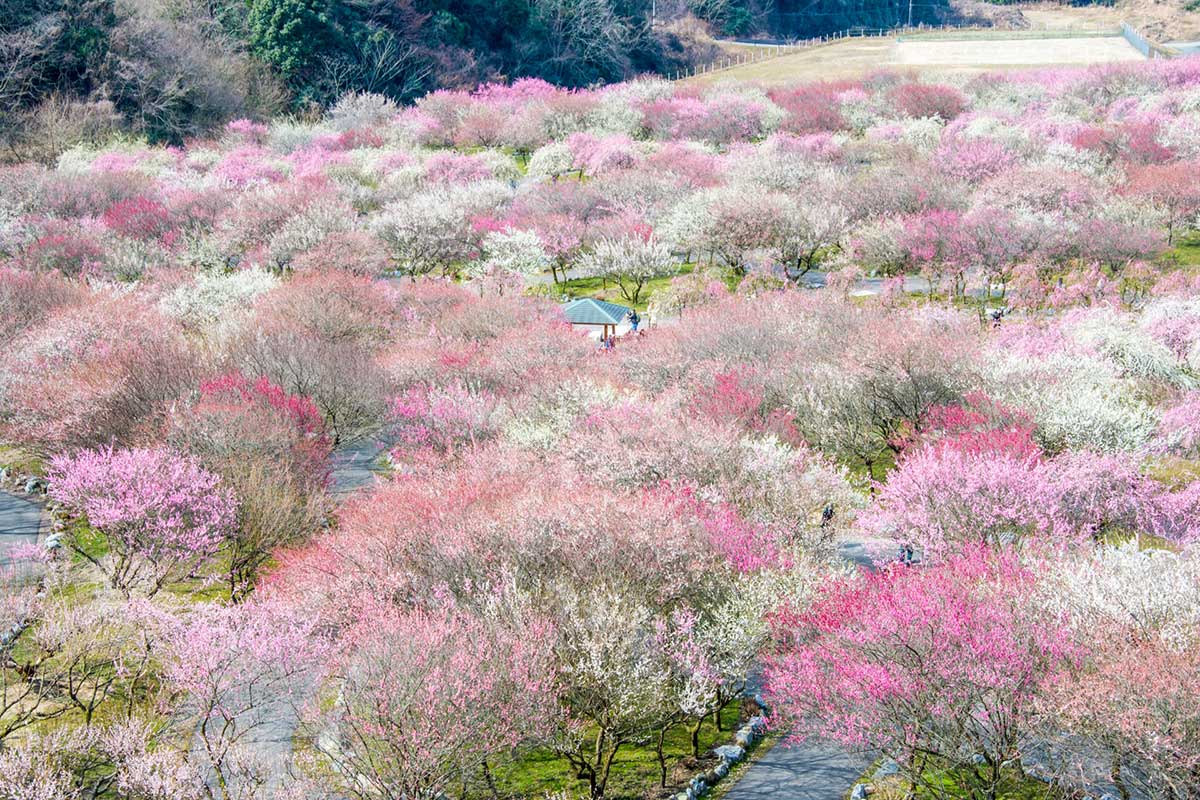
{"x":589,"y":311}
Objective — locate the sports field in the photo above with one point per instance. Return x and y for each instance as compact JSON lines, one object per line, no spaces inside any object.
{"x":966,"y":53}
{"x":973,"y":53}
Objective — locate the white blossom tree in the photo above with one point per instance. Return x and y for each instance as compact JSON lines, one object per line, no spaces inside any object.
{"x":630,"y":261}
{"x":426,"y":232}
{"x":509,"y":256}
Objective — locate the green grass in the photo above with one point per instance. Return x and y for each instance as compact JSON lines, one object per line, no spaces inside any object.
{"x":635,"y":771}
{"x":601,"y":289}
{"x":881,"y":467}
{"x":1186,"y":252}
{"x":1174,"y":472}
{"x":944,"y":784}
{"x":211,"y":586}
{"x":21,"y":462}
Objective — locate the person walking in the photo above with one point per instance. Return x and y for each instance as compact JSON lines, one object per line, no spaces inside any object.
{"x":634,"y":319}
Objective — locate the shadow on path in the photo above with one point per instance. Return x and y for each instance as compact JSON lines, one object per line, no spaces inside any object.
{"x":352,"y":466}
{"x":20,"y":523}
{"x":808,"y":771}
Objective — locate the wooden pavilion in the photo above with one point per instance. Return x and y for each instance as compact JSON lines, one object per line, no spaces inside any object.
{"x":595,"y":315}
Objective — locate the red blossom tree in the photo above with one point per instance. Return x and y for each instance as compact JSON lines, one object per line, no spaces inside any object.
{"x":1170,"y":187}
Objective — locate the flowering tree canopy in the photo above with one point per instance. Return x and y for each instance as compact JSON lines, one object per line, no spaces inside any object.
{"x":160,"y":514}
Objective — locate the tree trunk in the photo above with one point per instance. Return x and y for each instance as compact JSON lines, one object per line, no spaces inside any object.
{"x":915,"y":774}
{"x":1118,"y":780}
{"x":694,"y":730}
{"x":662,"y":759}
{"x":605,"y":767}
{"x":595,"y":789}
{"x":491,"y":782}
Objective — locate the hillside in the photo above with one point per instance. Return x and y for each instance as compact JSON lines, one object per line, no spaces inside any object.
{"x":169,"y":70}
{"x":75,"y":71}
{"x":356,"y":491}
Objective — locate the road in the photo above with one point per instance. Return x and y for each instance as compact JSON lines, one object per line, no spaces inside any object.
{"x":808,"y":771}
{"x":20,"y":522}
{"x":352,"y":466}
{"x":272,"y":728}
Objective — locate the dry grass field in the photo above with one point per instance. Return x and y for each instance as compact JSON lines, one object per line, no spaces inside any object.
{"x":1162,"y":20}
{"x":854,"y":57}
{"x":968,"y":53}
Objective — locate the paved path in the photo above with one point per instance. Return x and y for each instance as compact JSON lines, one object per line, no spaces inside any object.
{"x":815,"y":279}
{"x":352,"y":466}
{"x":808,"y":771}
{"x":273,"y":727}
{"x":811,"y":770}
{"x":20,"y":522}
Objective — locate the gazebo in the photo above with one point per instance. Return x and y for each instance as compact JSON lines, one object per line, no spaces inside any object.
{"x":590,"y":314}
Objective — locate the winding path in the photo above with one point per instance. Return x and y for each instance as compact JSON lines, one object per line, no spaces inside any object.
{"x":20,"y":523}
{"x":271,"y":737}
{"x":810,"y":770}
{"x":352,"y":467}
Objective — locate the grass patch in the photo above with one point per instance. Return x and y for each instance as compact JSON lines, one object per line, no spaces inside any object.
{"x":207,"y":587}
{"x":1186,"y":252}
{"x":635,"y":770}
{"x":21,"y":462}
{"x":602,"y":289}
{"x":881,"y":467}
{"x":1174,"y":472}
{"x":952,"y":783}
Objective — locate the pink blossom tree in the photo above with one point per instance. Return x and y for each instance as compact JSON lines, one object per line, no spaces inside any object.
{"x":935,"y":244}
{"x":234,"y":676}
{"x":1172,"y":189}
{"x":505,"y":531}
{"x":426,"y":697}
{"x":1000,"y":491}
{"x":91,"y":374}
{"x":933,"y":667}
{"x":270,"y":448}
{"x":159,"y":515}
{"x":26,"y":298}
{"x":921,"y":100}
{"x":1135,"y":706}
{"x":318,"y":336}
{"x":442,"y":421}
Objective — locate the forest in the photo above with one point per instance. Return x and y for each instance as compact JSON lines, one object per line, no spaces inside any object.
{"x":332,"y":502}
{"x":169,"y":70}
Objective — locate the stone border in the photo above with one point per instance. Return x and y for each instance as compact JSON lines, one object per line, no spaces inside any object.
{"x":729,"y":754}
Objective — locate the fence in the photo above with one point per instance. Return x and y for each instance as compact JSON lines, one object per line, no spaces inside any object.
{"x":1144,"y":46}
{"x":765,"y":52}
{"x":755,"y":53}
